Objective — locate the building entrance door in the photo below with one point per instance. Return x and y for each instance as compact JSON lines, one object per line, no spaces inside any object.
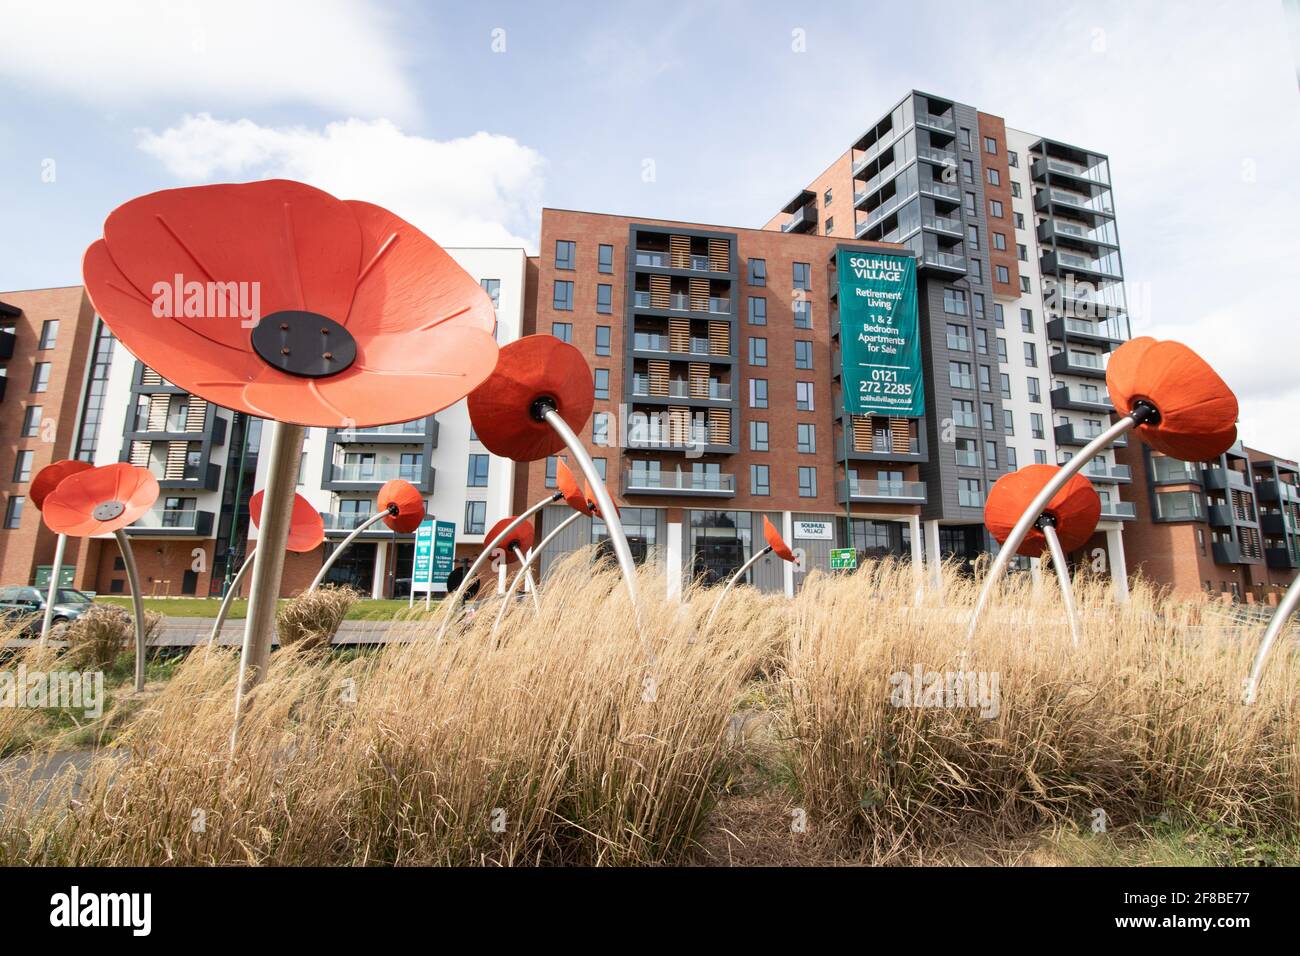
{"x":717,"y":559}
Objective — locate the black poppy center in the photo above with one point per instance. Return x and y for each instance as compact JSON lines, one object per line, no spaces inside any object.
{"x":304,"y":344}
{"x":1145,"y":411}
{"x":541,"y":405}
{"x":108,"y":510}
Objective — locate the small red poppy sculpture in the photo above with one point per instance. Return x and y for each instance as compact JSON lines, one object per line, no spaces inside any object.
{"x":1063,"y":526}
{"x":539,"y":395}
{"x":306,"y":531}
{"x":105,"y":500}
{"x":1177,"y":403}
{"x":276,"y":299}
{"x":775,"y":545}
{"x":401,"y":508}
{"x":45,"y":481}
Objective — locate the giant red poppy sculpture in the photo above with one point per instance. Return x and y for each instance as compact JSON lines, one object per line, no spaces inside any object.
{"x":1177,"y":403}
{"x":775,"y":545}
{"x":1064,"y":525}
{"x":44,"y":482}
{"x":539,"y":395}
{"x":276,"y":299}
{"x":105,"y":500}
{"x":306,"y":531}
{"x":400,"y":506}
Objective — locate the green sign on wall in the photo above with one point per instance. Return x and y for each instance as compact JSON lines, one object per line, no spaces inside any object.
{"x":880,"y":340}
{"x":844,"y":559}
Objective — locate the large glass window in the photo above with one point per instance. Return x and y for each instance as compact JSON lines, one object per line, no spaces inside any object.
{"x":475,"y":517}
{"x":478,"y":471}
{"x":565,"y":253}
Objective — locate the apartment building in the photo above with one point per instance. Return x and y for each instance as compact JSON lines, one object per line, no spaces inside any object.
{"x":104,"y":406}
{"x":1021,"y":297}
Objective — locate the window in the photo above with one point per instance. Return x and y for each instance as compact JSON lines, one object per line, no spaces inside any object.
{"x":602,"y":340}
{"x":475,"y":516}
{"x":757,"y":350}
{"x":1031,"y":355}
{"x":963,"y":413}
{"x":605,"y":258}
{"x":995,"y":209}
{"x":1019,"y":218}
{"x":976,"y":270}
{"x":802,"y":313}
{"x":757,"y":436}
{"x":1002,"y":350}
{"x":967,"y":171}
{"x":830,"y":224}
{"x":600,"y":429}
{"x":1036,"y":425}
{"x":973,"y":236}
{"x":14,"y":511}
{"x":759,"y":483}
{"x":954,"y":301}
{"x":802,"y":276}
{"x":990,"y":145}
{"x":1026,"y":320}
{"x":803,"y":354}
{"x":1004,"y":381}
{"x":970,"y":204}
{"x":49,"y":333}
{"x":1008,"y":421}
{"x":1003,"y":274}
{"x":1022,"y":252}
{"x":23,"y":466}
{"x":41,"y":376}
{"x":991,"y":455}
{"x":999,"y":319}
{"x":758,"y":393}
{"x":758,"y":272}
{"x":986,"y":382}
{"x":493,"y":288}
{"x":604,"y":299}
{"x":965,"y":138}
{"x":562,"y":298}
{"x":995,"y":178}
{"x":550,"y":471}
{"x":1015,"y":190}
{"x":31,"y":421}
{"x":981,"y":342}
{"x":1012,"y":464}
{"x":986,"y":414}
{"x":959,"y":375}
{"x":1013,"y":159}
{"x":757,"y":310}
{"x":1034,"y":394}
{"x":600,"y":464}
{"x":806,"y":437}
{"x":958,"y":338}
{"x":564,"y":253}
{"x":1040,"y":456}
{"x":968,"y":493}
{"x":807,"y":481}
{"x":999,"y":240}
{"x":602,"y":383}
{"x":803,"y":396}
{"x":478,"y":471}
{"x":562,"y":331}
{"x":1024,"y":284}
{"x":826,"y":198}
{"x":967,"y":453}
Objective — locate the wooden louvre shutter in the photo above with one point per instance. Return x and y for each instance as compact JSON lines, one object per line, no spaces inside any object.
{"x":719,"y":338}
{"x":699,"y":290}
{"x":679,"y":335}
{"x":149,"y":377}
{"x":900,"y":431}
{"x":699,"y":380}
{"x":660,"y":297}
{"x":719,"y":426}
{"x":679,"y":424}
{"x":196,"y":414}
{"x":658,"y":377}
{"x":679,"y":252}
{"x":719,"y":255}
{"x":862,"y":437}
{"x":140,"y":453}
{"x":159,"y":403}
{"x":176,"y":452}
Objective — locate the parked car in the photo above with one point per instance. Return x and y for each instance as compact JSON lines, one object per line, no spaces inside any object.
{"x":27,"y":605}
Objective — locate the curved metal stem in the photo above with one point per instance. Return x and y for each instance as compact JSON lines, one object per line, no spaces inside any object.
{"x":1063,"y":575}
{"x":54,"y":588}
{"x":536,"y":553}
{"x":608,"y":513}
{"x":471,"y":575}
{"x":230,"y":596}
{"x":734,"y":578}
{"x":537,"y":604}
{"x":137,"y":603}
{"x":343,"y":546}
{"x":1276,"y":624}
{"x":1035,"y":509}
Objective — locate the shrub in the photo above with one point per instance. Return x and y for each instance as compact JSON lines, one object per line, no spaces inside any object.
{"x":311,"y":619}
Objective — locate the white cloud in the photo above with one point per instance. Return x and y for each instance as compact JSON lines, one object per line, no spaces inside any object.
{"x":339,"y":55}
{"x":480,"y":190}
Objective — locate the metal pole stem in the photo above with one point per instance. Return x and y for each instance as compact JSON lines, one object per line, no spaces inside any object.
{"x":454,"y":600}
{"x":1063,"y":575}
{"x":343,"y":545}
{"x":53,"y":592}
{"x":137,"y":603}
{"x":536,"y":553}
{"x":608,"y":513}
{"x":734,"y":578}
{"x":1274,"y":630}
{"x":528,"y":574}
{"x":229,"y":599}
{"x":1044,"y":497}
{"x":268,"y":567}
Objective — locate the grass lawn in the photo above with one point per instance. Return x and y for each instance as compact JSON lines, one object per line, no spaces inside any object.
{"x":364,"y":610}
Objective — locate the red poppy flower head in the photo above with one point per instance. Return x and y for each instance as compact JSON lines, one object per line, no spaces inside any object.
{"x":276,"y":299}
{"x":521,"y":539}
{"x":404,"y":504}
{"x":1075,"y":509}
{"x":775,"y":542}
{"x":48,"y":478}
{"x":100,"y":500}
{"x":306,"y":529}
{"x":1196,"y":412}
{"x":532,"y":373}
{"x":568,"y":486}
{"x":593,"y":507}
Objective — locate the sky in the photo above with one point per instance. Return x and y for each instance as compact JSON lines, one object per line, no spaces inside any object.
{"x":467,"y":119}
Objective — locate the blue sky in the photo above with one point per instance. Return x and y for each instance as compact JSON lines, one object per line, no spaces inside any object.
{"x":466,"y":119}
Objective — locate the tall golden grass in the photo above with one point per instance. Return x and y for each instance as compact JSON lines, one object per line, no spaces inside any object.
{"x":574,"y":739}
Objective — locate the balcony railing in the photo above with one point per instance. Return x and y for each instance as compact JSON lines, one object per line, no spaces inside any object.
{"x":946,"y":190}
{"x":943,"y":260}
{"x":1118,"y":510}
{"x":377,"y":472}
{"x":178,"y":520}
{"x":681,"y":481}
{"x":676,"y":388}
{"x":346,"y":520}
{"x":662,"y":260}
{"x":1171,"y":469}
{"x":1100,"y":203}
{"x":938,"y":122}
{"x":661,"y":342}
{"x":942,"y":224}
{"x":682,"y":302}
{"x":875,"y":488}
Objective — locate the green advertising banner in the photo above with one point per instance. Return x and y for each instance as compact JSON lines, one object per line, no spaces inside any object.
{"x":880,"y":340}
{"x":422,"y":562}
{"x":444,"y":551}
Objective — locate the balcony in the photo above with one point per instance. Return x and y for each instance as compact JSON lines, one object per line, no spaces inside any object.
{"x":934,"y":121}
{"x":803,"y":220}
{"x":940,"y":157}
{"x":875,"y":491}
{"x":660,"y":259}
{"x":1084,"y":364}
{"x":1218,"y":478}
{"x":1060,"y":263}
{"x":874,"y":216}
{"x":944,"y":224}
{"x":1166,"y":470}
{"x":4,"y":384}
{"x":185,"y":522}
{"x":1272,"y":490}
{"x":1113,"y":510}
{"x":1230,"y":552}
{"x":948,"y":191}
{"x":1062,"y":232}
{"x":681,"y":302}
{"x":1282,"y":558}
{"x":1075,"y":433}
{"x":661,"y":342}
{"x":708,"y":484}
{"x":881,"y":448}
{"x":1104,"y":334}
{"x":406,"y":433}
{"x":1108,"y":474}
{"x":1220,"y":516}
{"x":377,"y":473}
{"x":1093,"y":210}
{"x":1179,"y":506}
{"x":678,"y":388}
{"x":1079,"y":399}
{"x":7,"y":339}
{"x":1087,"y":176}
{"x":1274,"y":524}
{"x":943,"y":262}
